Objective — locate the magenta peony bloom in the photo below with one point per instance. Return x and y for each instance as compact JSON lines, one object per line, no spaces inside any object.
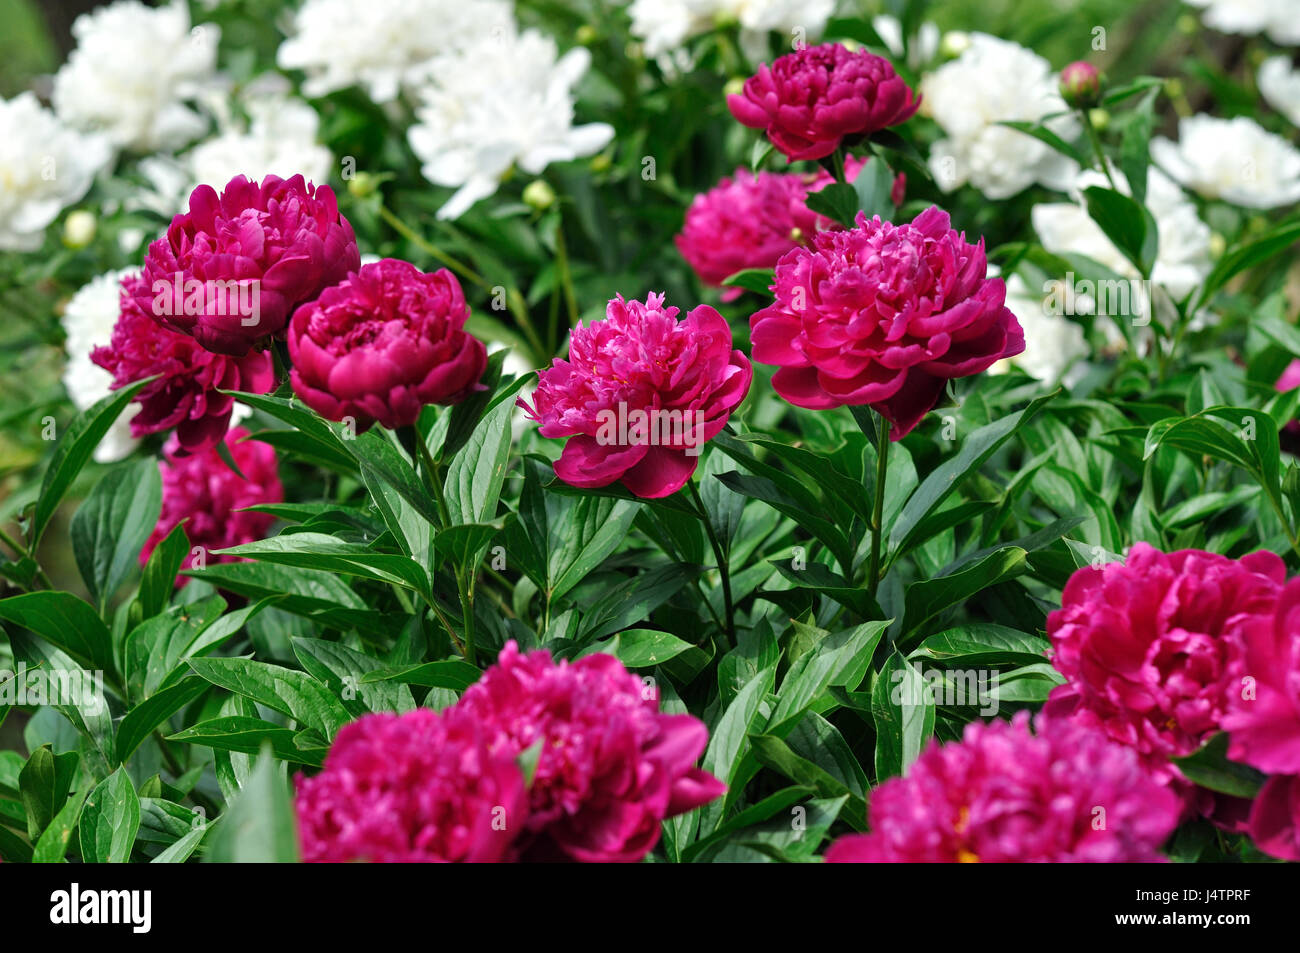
{"x":610,"y":767}
{"x":1275,"y":818}
{"x":639,"y":395}
{"x":750,"y":221}
{"x":383,"y":343}
{"x":185,"y":395}
{"x":1145,"y":644}
{"x":411,"y":788}
{"x":883,"y":315}
{"x":202,"y":491}
{"x":231,"y":270}
{"x":1003,"y":795}
{"x":1263,"y":689}
{"x":809,"y":100}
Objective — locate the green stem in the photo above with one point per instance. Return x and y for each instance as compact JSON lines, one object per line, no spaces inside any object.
{"x":415,"y":239}
{"x":837,"y":158}
{"x":565,"y":276}
{"x":721,"y":557}
{"x":1096,"y":147}
{"x":878,"y":505}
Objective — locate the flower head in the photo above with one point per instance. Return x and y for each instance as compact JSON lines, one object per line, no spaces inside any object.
{"x":808,"y":101}
{"x":416,"y":787}
{"x":1081,"y":85}
{"x":883,"y":315}
{"x":609,"y":766}
{"x":185,"y":396}
{"x":230,"y":271}
{"x":1263,"y":690}
{"x":1235,"y":160}
{"x":1274,"y":823}
{"x":1145,"y":644}
{"x":383,"y":343}
{"x":133,"y":70}
{"x":47,"y":167}
{"x":1005,"y":795}
{"x":751,"y":219}
{"x":201,"y":491}
{"x":639,"y":395}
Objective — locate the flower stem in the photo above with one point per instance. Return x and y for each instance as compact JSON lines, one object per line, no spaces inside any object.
{"x":414,"y":238}
{"x":720,"y":555}
{"x":1096,"y":147}
{"x":837,"y":158}
{"x":565,"y":276}
{"x":878,"y":505}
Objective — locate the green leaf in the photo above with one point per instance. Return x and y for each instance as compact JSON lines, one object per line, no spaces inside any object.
{"x":455,"y":674}
{"x":874,"y":187}
{"x":158,"y":580}
{"x":1210,"y":768}
{"x":1127,"y":224}
{"x":180,"y":850}
{"x":110,"y":528}
{"x":285,"y":690}
{"x":44,"y":783}
{"x":583,"y":539}
{"x":904,"y":716}
{"x":840,"y":659}
{"x":643,"y":648}
{"x":260,"y":825}
{"x":837,"y":201}
{"x":751,"y":279}
{"x":141,"y":720}
{"x":1046,"y":136}
{"x":928,"y":597}
{"x":729,"y":742}
{"x":474,"y":479}
{"x":247,"y":735}
{"x":343,"y":672}
{"x":331,"y":554}
{"x":74,"y":450}
{"x":983,"y":643}
{"x":774,"y":753}
{"x":110,"y":820}
{"x":1273,"y":242}
{"x":52,"y":848}
{"x":65,"y":621}
{"x":1134,"y":146}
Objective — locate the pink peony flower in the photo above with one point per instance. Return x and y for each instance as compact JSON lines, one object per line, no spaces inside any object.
{"x":809,"y":100}
{"x":411,"y":788}
{"x":1263,"y":690}
{"x":639,"y":395}
{"x":750,"y":221}
{"x":185,"y":395}
{"x":1002,"y":794}
{"x":1275,"y":818}
{"x":610,"y":767}
{"x":883,"y":315}
{"x":1145,"y":644}
{"x":231,"y":270}
{"x":201,"y":491}
{"x":1081,"y":85}
{"x":383,"y":343}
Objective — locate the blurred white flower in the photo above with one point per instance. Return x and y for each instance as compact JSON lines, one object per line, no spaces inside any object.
{"x":131,"y":71}
{"x":280,"y":138}
{"x":994,"y":81}
{"x":384,"y":45}
{"x":88,"y":321}
{"x":1280,"y":19}
{"x":1183,"y":257}
{"x":1053,"y":344}
{"x":1236,"y":160}
{"x":663,"y":26}
{"x":1279,"y":84}
{"x":507,"y":100}
{"x":44,"y":168}
{"x":924,"y":45}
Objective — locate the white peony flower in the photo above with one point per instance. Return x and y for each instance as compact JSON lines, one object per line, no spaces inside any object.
{"x":44,"y":168}
{"x":1280,"y":86}
{"x":1235,"y":160}
{"x":384,"y":45}
{"x":1053,"y":344}
{"x":994,"y":81}
{"x":88,"y":321}
{"x":1280,"y":19}
{"x":924,"y":45}
{"x":280,"y":138}
{"x":1183,"y":257}
{"x":663,"y":26}
{"x":132,"y":70}
{"x":505,"y":101}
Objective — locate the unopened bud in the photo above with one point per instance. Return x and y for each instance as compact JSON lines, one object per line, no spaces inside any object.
{"x":1081,"y":85}
{"x":79,"y":229}
{"x":362,"y":185}
{"x":539,"y":195}
{"x":954,"y":43}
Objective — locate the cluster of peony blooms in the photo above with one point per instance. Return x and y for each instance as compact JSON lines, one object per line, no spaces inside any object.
{"x":538,"y":761}
{"x":257,"y":263}
{"x":1166,"y":650}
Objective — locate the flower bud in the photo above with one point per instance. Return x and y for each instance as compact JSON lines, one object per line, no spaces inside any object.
{"x":1081,"y":85}
{"x":539,"y":195}
{"x":954,"y":43}
{"x":363,"y":185}
{"x":79,"y":229}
